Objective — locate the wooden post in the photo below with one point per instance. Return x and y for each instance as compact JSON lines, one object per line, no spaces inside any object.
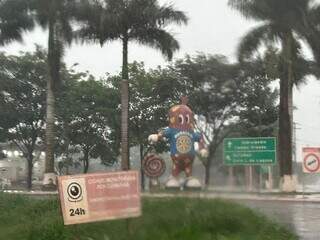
{"x":154,"y":185}
{"x":270,"y":178}
{"x":250,"y":178}
{"x":260,"y":179}
{"x":246,"y":177}
{"x":231,"y":177}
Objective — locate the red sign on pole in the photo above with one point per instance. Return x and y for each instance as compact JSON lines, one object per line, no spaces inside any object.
{"x":99,"y":196}
{"x":311,"y":160}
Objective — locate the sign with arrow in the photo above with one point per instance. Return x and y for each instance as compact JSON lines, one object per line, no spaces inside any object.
{"x":249,"y":151}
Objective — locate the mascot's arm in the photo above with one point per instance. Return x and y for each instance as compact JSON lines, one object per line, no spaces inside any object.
{"x":159,"y":136}
{"x":154,"y":138}
{"x":202,"y":145}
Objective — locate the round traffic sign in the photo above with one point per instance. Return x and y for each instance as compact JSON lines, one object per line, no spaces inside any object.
{"x":311,"y":162}
{"x":153,"y":166}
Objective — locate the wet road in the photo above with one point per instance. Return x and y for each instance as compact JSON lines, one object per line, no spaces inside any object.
{"x":302,"y":218}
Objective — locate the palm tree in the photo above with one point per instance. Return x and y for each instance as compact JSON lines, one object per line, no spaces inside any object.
{"x":140,"y":21}
{"x":56,"y":16}
{"x":14,"y":20}
{"x":282,"y":23}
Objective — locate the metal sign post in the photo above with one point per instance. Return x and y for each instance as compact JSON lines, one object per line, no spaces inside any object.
{"x":231,"y":177}
{"x":270,"y":178}
{"x":260,"y":179}
{"x":302,"y":185}
{"x":250,"y":178}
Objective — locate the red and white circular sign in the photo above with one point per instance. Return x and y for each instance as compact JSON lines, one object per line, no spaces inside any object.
{"x":311,"y":163}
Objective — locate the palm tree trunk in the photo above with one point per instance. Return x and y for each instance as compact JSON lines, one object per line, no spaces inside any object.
{"x":125,"y":164}
{"x":49,"y":163}
{"x":53,"y":77}
{"x":313,"y":41}
{"x":285,"y":139}
{"x":54,"y":61}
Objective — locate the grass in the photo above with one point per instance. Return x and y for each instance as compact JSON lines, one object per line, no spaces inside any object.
{"x":22,"y":218}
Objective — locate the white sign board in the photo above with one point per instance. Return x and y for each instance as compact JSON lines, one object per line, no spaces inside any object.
{"x":99,"y":196}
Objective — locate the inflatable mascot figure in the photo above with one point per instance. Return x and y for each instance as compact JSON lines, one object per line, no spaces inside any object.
{"x":181,"y":136}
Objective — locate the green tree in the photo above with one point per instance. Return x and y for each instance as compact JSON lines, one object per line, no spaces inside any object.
{"x":258,"y":102}
{"x":281,"y":21}
{"x":22,"y":94}
{"x":63,"y":148}
{"x":210,"y":83}
{"x":89,"y":115}
{"x":14,"y":21}
{"x":56,"y":16}
{"x":140,"y":21}
{"x":148,"y":111}
{"x":225,"y":96}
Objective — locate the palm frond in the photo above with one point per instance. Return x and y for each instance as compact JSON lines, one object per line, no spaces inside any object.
{"x":314,"y":14}
{"x":67,"y":31}
{"x":168,"y":15}
{"x":252,"y":9}
{"x":150,"y":13}
{"x":62,"y":11}
{"x":40,"y":10}
{"x":143,"y":21}
{"x":87,"y":10}
{"x":288,"y":12}
{"x":86,"y":34}
{"x":254,"y":39}
{"x":14,"y":20}
{"x":67,"y":11}
{"x":158,"y":39}
{"x":301,"y":66}
{"x":304,"y":68}
{"x":97,"y":24}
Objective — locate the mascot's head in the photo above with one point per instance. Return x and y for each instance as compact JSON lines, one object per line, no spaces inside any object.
{"x":181,"y":116}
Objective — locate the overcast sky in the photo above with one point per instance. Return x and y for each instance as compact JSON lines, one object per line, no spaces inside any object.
{"x":213,"y":28}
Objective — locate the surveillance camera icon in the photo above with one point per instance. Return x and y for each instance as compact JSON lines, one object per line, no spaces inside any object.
{"x":74,"y":191}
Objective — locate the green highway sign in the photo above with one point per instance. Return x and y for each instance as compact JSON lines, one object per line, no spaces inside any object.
{"x":249,"y":151}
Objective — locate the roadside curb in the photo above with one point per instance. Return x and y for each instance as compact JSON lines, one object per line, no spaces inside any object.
{"x":31,"y":193}
{"x":293,"y":198}
{"x":202,"y":195}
